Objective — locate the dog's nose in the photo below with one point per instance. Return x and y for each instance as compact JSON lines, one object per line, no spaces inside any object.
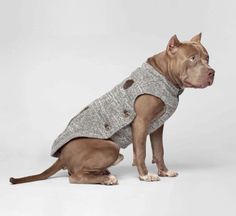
{"x":211,"y":73}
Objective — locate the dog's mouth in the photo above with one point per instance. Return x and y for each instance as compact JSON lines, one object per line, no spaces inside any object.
{"x":210,"y":81}
{"x":203,"y":84}
{"x":190,"y":85}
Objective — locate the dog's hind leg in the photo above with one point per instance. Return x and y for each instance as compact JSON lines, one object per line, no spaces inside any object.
{"x":118,"y":160}
{"x":88,"y":160}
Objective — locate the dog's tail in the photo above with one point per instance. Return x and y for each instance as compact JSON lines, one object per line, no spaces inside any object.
{"x":44,"y":175}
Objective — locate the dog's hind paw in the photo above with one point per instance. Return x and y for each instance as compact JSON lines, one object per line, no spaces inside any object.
{"x":110,"y":180}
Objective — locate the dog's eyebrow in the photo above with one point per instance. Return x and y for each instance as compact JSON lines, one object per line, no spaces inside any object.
{"x":193,"y":49}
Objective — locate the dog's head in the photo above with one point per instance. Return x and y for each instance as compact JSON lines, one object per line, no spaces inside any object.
{"x":189,"y":61}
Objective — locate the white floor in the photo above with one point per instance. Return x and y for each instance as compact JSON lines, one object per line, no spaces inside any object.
{"x":205,"y":186}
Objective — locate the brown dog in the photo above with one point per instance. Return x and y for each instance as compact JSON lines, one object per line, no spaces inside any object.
{"x":87,"y":159}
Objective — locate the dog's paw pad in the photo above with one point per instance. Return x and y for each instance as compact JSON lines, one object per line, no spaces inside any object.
{"x":110,"y":180}
{"x":149,"y":177}
{"x":168,"y":173}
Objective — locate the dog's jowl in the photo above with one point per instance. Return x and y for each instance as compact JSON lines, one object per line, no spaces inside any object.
{"x":135,"y":108}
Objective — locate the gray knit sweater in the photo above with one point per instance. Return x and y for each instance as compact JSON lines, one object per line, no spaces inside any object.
{"x":110,"y":115}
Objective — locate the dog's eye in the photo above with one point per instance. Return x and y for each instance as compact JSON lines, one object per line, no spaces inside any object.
{"x":193,"y":58}
{"x":207,"y":59}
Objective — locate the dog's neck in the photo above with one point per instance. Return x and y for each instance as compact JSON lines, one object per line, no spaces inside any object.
{"x":161,"y":64}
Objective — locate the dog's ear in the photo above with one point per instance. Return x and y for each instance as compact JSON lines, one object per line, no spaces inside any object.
{"x":197,"y":38}
{"x":173,"y":45}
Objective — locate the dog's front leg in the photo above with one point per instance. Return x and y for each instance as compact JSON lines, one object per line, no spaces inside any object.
{"x":158,"y":153}
{"x":139,"y":131}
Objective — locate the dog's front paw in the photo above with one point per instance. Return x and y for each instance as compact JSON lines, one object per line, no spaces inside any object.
{"x":149,"y":177}
{"x":168,"y":173}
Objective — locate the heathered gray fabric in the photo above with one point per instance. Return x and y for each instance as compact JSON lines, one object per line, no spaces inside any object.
{"x":110,"y":115}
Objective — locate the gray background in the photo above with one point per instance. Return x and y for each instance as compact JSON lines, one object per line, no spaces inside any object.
{"x":57,"y":56}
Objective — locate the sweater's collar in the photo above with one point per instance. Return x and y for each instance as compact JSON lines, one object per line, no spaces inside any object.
{"x":176,"y":91}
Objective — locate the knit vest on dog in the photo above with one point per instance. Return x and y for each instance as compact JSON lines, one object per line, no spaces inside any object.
{"x":110,"y":116}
